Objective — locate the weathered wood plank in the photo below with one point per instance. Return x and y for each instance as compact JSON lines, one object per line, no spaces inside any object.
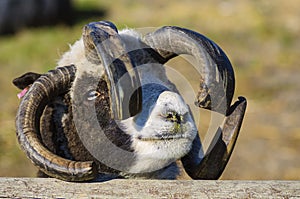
{"x":53,"y":188}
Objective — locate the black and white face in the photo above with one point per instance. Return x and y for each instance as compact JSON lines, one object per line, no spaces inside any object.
{"x":165,"y":136}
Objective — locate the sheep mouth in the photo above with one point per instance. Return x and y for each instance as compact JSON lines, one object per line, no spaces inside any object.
{"x":162,"y":138}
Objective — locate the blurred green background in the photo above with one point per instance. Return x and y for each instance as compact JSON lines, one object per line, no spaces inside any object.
{"x":261,"y":38}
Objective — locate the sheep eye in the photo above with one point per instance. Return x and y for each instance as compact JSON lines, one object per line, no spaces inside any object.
{"x":92,"y":95}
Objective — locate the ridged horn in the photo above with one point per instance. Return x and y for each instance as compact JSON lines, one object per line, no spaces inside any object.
{"x":212,"y":165}
{"x":102,"y":42}
{"x":216,"y":91}
{"x":43,"y":90}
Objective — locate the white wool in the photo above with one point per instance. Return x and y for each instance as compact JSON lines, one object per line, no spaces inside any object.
{"x":131,"y":38}
{"x":76,"y":56}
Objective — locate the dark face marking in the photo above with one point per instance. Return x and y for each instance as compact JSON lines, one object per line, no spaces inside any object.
{"x":98,"y":100}
{"x":95,"y":125}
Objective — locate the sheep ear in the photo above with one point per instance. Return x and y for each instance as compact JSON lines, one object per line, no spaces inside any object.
{"x":25,"y":80}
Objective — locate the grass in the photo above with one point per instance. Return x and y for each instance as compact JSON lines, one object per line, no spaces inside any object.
{"x":261,"y":39}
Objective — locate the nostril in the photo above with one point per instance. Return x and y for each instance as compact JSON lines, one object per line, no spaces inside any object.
{"x":170,"y":116}
{"x":178,"y":118}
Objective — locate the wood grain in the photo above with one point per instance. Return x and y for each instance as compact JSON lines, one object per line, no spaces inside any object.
{"x":53,"y":188}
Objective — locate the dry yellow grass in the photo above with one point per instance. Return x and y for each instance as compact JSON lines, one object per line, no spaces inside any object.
{"x":260,"y":37}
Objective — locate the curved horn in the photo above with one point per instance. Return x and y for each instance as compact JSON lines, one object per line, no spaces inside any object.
{"x":44,"y":89}
{"x":216,"y":91}
{"x":102,"y":41}
{"x":217,"y":81}
{"x":213,"y":164}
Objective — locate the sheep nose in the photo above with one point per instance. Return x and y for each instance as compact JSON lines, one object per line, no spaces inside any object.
{"x":176,"y":118}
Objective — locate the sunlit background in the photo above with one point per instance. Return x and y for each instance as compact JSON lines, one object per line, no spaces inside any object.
{"x":261,"y":38}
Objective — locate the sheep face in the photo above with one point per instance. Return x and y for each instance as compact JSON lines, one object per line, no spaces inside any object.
{"x":109,"y":108}
{"x":158,"y":135}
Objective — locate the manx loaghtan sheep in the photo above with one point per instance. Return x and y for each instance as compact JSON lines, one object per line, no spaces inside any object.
{"x":109,"y":108}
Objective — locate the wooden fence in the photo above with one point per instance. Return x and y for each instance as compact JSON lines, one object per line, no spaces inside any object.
{"x":119,"y":188}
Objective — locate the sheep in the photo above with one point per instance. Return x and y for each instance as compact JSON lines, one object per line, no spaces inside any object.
{"x":109,"y":109}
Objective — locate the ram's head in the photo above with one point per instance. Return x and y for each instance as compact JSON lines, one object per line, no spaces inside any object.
{"x":109,"y":108}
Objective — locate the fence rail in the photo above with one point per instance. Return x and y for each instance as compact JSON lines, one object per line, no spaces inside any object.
{"x":53,"y":188}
